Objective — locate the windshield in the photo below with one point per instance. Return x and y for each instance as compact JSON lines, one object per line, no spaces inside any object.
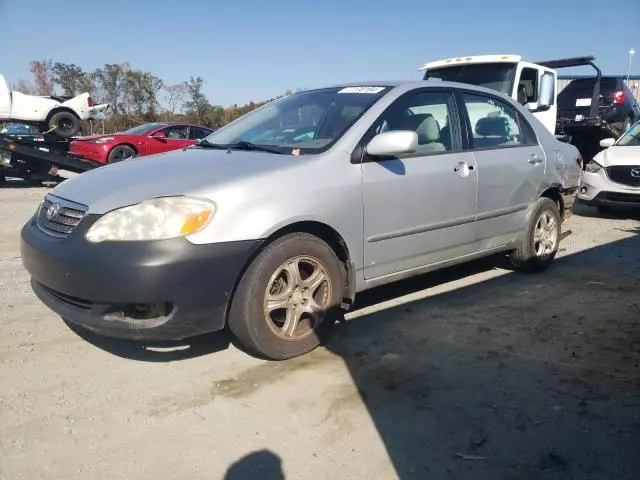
{"x":497,"y":76}
{"x":631,"y":137}
{"x":140,"y":129}
{"x":306,"y":122}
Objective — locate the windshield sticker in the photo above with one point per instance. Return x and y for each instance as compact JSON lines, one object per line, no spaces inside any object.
{"x":361,"y":90}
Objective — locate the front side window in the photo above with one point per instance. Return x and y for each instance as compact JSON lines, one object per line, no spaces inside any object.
{"x":307,"y":122}
{"x":430,"y":115}
{"x":177,"y":132}
{"x":494,"y":123}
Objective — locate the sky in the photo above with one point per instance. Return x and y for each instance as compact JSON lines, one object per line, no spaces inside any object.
{"x":251,"y":50}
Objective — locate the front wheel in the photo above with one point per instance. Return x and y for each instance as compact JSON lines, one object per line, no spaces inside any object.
{"x":120,"y":153}
{"x":288,"y":299}
{"x":542,"y":238}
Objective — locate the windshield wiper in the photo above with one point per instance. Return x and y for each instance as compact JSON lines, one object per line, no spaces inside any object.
{"x":206,"y":144}
{"x":244,"y":145}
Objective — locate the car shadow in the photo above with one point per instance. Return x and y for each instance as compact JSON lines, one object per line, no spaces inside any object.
{"x":159,"y":351}
{"x":470,"y":384}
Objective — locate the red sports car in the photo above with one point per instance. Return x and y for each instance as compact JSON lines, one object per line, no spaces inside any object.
{"x":146,"y":139}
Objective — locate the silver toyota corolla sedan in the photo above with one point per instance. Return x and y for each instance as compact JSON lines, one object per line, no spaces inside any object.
{"x":273,"y":224}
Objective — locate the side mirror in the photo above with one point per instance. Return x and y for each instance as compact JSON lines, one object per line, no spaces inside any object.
{"x":607,"y":142}
{"x":392,"y":143}
{"x":547,"y":89}
{"x":159,"y":135}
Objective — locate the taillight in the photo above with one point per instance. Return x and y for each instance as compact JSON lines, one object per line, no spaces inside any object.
{"x":90,"y":102}
{"x":579,"y":161}
{"x":618,"y":97}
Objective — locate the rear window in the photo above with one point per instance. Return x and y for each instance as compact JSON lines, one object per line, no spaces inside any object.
{"x":584,"y":86}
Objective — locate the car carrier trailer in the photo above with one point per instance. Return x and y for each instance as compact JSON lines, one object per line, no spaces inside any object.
{"x":38,"y":159}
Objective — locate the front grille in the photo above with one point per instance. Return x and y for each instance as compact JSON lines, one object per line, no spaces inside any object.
{"x":622,"y":197}
{"x":58,"y":217}
{"x":625,"y":175}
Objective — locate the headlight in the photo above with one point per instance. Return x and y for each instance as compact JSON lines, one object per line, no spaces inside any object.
{"x":102,"y":140}
{"x":593,"y":167}
{"x":154,"y":219}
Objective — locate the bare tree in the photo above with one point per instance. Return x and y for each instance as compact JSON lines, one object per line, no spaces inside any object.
{"x":24,"y":87}
{"x":43,"y":76}
{"x":175,"y":96}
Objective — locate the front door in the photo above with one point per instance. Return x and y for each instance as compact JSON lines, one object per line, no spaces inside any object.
{"x":419,"y":209}
{"x":175,"y":137}
{"x":510,"y":162}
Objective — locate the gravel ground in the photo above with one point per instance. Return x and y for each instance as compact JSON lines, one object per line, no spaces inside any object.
{"x":473,"y":372}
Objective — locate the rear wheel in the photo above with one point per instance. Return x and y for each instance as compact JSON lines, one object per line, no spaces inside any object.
{"x":288,"y":299}
{"x":119,"y":153}
{"x":64,"y":124}
{"x":542,"y":238}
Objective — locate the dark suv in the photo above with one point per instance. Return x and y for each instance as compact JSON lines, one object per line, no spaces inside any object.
{"x":617,"y":106}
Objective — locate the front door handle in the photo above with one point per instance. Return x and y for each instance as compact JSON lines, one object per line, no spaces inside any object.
{"x":463,"y":169}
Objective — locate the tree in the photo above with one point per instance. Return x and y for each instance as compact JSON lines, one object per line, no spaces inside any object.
{"x":197,"y":106}
{"x":72,"y":79}
{"x":175,"y":96}
{"x":42,"y":76}
{"x":111,"y":78}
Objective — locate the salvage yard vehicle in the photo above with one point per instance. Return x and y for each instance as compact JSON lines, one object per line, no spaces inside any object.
{"x":612,"y":179}
{"x":275,"y":239}
{"x":595,"y":114}
{"x":62,"y":115}
{"x":146,"y":139}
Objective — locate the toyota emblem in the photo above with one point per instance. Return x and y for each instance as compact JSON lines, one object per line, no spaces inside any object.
{"x":635,"y":173}
{"x":52,"y":211}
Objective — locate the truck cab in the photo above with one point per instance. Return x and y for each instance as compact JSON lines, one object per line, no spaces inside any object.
{"x":532,"y":85}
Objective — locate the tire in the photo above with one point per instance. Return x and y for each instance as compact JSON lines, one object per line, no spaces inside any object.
{"x":64,"y":124}
{"x":119,"y":153}
{"x":264,"y":332}
{"x":530,"y":256}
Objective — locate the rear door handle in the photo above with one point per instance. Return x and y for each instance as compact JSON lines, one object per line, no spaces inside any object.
{"x":534,"y":159}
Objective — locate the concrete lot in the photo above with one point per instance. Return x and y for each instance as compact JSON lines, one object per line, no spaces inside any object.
{"x":474,"y":372}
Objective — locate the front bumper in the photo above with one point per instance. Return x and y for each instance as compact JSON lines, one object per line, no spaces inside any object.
{"x":598,"y":190}
{"x":160,"y":290}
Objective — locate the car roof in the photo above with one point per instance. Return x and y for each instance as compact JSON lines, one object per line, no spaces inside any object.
{"x":406,"y":85}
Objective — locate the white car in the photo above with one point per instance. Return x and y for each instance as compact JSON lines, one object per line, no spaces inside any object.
{"x":52,"y":114}
{"x":612,"y":178}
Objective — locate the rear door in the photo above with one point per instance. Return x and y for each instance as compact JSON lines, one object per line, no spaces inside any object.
{"x":176,"y":137}
{"x":510,"y":163}
{"x":419,"y":209}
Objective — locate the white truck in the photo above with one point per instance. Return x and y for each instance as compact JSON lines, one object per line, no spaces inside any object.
{"x":59,"y":115}
{"x":533,"y":84}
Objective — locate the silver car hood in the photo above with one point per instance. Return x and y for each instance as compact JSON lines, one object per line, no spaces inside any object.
{"x":191,"y":171}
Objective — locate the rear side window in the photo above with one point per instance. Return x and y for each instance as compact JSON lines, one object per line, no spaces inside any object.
{"x":198,"y":133}
{"x":495,"y":124}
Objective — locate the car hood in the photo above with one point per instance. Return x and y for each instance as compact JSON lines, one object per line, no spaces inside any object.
{"x":93,"y":137}
{"x":192,"y":171}
{"x":619,"y":155}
